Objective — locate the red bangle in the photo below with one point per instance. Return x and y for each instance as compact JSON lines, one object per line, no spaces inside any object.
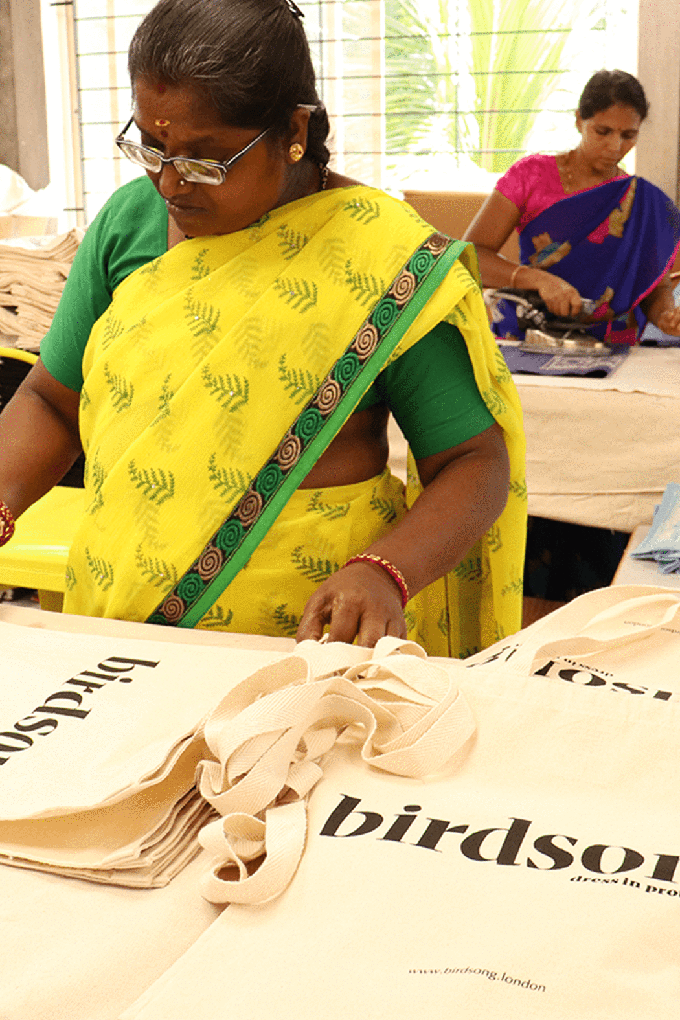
{"x":7,"y":523}
{"x":389,"y":568}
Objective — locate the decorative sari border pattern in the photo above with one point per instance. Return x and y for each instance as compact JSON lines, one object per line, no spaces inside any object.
{"x":225,"y":542}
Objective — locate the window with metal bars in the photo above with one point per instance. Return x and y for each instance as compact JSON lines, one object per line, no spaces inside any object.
{"x":441,"y":94}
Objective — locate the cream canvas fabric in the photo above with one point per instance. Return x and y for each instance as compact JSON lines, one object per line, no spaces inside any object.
{"x":536,"y":876}
{"x":76,"y":950}
{"x":99,"y":744}
{"x":624,"y":639}
{"x":268,"y":739}
{"x":619,"y":489}
{"x":32,"y":277}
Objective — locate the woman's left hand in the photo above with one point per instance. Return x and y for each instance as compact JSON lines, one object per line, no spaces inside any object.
{"x":359,"y":601}
{"x":659,"y":307}
{"x":669,"y":322}
{"x":465,"y":490}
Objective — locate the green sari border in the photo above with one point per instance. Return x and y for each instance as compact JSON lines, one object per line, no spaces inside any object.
{"x":232,"y":545}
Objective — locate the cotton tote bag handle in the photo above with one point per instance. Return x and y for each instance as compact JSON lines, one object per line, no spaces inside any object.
{"x":628,"y":624}
{"x":270,"y":734}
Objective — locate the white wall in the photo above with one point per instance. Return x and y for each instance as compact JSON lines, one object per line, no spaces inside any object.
{"x":62,"y":114}
{"x":658,"y":150}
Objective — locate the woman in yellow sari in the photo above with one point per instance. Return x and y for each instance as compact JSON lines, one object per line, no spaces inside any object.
{"x":230,"y":381}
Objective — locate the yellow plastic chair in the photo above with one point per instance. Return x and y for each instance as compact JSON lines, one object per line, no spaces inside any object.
{"x":36,"y":555}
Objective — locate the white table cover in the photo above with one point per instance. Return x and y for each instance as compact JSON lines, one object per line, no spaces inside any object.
{"x":600,"y":452}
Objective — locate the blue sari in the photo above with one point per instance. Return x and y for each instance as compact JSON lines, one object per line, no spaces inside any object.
{"x":614,"y":243}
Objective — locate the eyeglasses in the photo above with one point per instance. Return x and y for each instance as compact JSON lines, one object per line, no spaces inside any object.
{"x":197,"y":171}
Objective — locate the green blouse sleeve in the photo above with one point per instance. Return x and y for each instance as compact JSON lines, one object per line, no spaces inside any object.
{"x":432,"y":393}
{"x":129,"y":231}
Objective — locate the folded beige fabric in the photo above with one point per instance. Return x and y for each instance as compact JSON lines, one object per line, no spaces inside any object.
{"x":31,"y":282}
{"x":99,"y":745}
{"x":142,"y":840}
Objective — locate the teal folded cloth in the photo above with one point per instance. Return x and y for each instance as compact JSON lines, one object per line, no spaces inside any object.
{"x":662,"y":541}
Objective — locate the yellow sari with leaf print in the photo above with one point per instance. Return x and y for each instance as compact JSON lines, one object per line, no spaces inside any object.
{"x":217,"y":377}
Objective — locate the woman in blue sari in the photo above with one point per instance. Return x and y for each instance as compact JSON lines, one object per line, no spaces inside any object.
{"x":587,"y":230}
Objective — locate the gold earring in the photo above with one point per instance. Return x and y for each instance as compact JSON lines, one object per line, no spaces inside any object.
{"x":296,"y":152}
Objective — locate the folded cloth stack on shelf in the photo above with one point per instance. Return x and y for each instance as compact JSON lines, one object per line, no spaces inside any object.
{"x":662,"y":541}
{"x":32,"y":277}
{"x":100,"y":739}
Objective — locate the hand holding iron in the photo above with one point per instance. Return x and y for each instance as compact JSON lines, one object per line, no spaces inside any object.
{"x":560,"y":297}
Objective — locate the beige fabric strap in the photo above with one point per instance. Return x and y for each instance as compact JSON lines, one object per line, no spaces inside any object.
{"x":269,"y":736}
{"x":611,"y":629}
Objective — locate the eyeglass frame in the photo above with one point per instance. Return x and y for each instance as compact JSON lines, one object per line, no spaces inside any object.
{"x":211,"y":163}
{"x":223,"y":167}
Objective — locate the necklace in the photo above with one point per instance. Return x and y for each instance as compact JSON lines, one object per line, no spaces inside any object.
{"x":567,"y":173}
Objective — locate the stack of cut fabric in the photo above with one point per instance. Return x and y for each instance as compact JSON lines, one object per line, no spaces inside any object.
{"x":100,"y":739}
{"x":32,"y":277}
{"x":662,"y":541}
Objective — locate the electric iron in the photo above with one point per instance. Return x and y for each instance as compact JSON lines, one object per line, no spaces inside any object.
{"x":544,"y":335}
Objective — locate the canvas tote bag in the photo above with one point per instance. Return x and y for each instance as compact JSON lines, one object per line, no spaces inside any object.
{"x":536,"y":876}
{"x":99,"y":744}
{"x":624,"y":639}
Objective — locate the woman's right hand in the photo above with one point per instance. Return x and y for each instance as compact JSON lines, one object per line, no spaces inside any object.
{"x":489,"y":231}
{"x":559,"y":296}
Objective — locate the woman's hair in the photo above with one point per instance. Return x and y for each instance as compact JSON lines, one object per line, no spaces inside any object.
{"x":249,"y":58}
{"x":606,"y":88}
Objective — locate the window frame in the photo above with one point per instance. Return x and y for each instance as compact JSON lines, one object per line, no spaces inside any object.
{"x":657,"y":151}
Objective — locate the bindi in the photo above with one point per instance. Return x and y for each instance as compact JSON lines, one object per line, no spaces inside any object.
{"x":161,"y":122}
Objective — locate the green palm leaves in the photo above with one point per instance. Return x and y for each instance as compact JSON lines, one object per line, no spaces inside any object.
{"x":517,"y":48}
{"x":471,"y":76}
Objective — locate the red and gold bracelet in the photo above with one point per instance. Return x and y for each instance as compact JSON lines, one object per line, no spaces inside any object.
{"x":389,"y":568}
{"x":7,"y":523}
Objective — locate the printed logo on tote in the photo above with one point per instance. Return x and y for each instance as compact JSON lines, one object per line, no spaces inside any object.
{"x":66,"y":704}
{"x":521,"y":843}
{"x":579,"y":673}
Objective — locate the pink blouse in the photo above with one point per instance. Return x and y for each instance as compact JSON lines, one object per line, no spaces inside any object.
{"x":533,"y":184}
